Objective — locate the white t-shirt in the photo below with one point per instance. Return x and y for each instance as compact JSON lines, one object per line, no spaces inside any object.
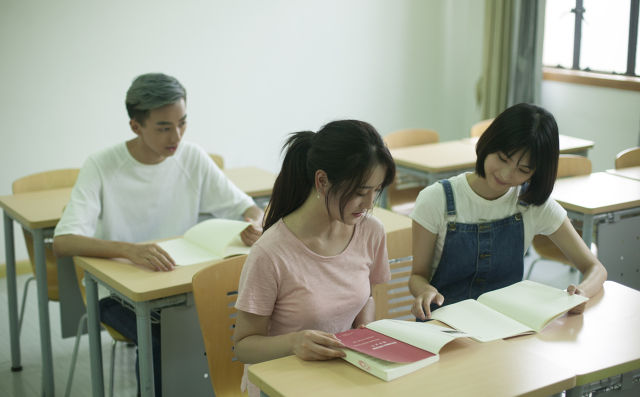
{"x":300,"y":289}
{"x":430,"y":212}
{"x":118,"y":198}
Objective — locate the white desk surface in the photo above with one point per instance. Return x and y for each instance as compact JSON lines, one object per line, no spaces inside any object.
{"x":629,"y":172}
{"x":597,"y":193}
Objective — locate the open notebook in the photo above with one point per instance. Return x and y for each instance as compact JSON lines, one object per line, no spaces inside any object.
{"x":206,"y":241}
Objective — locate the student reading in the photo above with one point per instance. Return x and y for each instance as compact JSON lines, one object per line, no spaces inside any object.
{"x":470,"y":232}
{"x":151,"y":187}
{"x":311,"y":273}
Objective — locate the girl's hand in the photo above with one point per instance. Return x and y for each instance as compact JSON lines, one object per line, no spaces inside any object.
{"x":422,"y":303}
{"x":572,"y":289}
{"x":316,"y":345}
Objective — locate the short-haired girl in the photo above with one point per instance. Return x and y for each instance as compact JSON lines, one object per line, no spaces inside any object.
{"x":470,"y":232}
{"x":311,"y":273}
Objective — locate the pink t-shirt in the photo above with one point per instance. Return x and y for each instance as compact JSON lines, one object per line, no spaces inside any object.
{"x":300,"y":289}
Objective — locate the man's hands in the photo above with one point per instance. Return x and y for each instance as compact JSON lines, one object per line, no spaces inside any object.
{"x":150,"y":255}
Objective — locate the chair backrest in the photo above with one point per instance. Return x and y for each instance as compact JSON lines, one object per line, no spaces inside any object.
{"x":573,"y":165}
{"x":218,"y":159}
{"x":44,"y":181}
{"x":479,"y":128}
{"x":215,"y":289}
{"x":393,"y":299}
{"x":628,"y":158}
{"x":410,"y":137}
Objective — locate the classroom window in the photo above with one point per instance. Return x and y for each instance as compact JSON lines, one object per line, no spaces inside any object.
{"x":592,"y":36}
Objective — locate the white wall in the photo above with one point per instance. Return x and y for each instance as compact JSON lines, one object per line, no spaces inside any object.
{"x":609,"y":117}
{"x":254,"y":71}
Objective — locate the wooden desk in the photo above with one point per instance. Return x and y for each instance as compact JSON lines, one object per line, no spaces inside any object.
{"x":254,"y":181}
{"x":568,"y":144}
{"x":145,"y":290}
{"x":434,"y":161}
{"x":38,"y":212}
{"x":609,"y":207}
{"x":629,"y":172}
{"x":601,"y":343}
{"x":465,"y":368}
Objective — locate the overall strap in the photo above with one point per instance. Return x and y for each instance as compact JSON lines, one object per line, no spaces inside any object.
{"x":448,"y":194}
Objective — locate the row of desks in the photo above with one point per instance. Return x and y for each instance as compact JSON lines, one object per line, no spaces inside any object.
{"x":141,"y":288}
{"x":28,"y":210}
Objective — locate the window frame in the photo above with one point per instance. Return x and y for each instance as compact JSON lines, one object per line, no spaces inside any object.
{"x":626,"y":81}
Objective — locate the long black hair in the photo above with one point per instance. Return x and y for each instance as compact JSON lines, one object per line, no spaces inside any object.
{"x":532,"y":129}
{"x":347,"y":150}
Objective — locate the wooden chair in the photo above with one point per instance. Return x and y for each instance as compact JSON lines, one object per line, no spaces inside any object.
{"x":215,"y":289}
{"x":628,"y":158}
{"x":55,"y":179}
{"x":218,"y":159}
{"x":480,"y":127}
{"x":393,"y":299}
{"x":402,"y":193}
{"x":568,"y":165}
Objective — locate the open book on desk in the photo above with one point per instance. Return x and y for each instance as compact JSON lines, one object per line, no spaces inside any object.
{"x":389,"y":349}
{"x":208,"y":240}
{"x":521,"y":308}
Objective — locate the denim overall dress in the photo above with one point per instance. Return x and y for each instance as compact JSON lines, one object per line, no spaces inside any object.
{"x":477,"y":258}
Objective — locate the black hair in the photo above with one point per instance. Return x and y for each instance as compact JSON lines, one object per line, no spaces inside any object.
{"x":533,"y":130}
{"x":347,"y":150}
{"x":151,"y":91}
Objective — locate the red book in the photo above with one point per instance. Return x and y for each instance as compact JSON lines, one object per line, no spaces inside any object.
{"x":375,"y":344}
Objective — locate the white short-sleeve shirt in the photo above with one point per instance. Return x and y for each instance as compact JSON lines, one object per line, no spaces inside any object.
{"x":118,"y":198}
{"x":430,"y":212}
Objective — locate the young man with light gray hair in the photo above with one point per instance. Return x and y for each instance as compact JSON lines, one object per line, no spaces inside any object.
{"x":151,"y":187}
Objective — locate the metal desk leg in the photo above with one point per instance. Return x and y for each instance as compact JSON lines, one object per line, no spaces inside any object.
{"x":587,"y":230}
{"x":43,"y":312}
{"x":95,"y":344}
{"x":145,"y":350}
{"x":12,"y":293}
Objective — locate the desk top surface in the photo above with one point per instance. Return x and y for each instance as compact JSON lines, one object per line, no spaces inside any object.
{"x":629,"y":172}
{"x":437,"y":157}
{"x":461,"y":154}
{"x":140,"y":284}
{"x":254,"y":181}
{"x":601,"y":342}
{"x":465,"y":368}
{"x":597,"y":193}
{"x":581,"y":348}
{"x":37,"y":210}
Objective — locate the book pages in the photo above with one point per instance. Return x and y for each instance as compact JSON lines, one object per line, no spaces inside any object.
{"x":479,"y":321}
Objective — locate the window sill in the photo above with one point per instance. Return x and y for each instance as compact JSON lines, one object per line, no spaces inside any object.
{"x":590,"y":78}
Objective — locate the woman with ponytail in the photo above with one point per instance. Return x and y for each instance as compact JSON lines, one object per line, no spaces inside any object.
{"x":311,"y":273}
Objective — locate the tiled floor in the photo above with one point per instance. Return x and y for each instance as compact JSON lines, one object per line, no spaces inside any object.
{"x":27,"y":382}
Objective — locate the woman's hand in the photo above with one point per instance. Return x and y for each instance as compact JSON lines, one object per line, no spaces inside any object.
{"x":572,"y":289}
{"x":422,"y":303}
{"x":316,"y":345}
